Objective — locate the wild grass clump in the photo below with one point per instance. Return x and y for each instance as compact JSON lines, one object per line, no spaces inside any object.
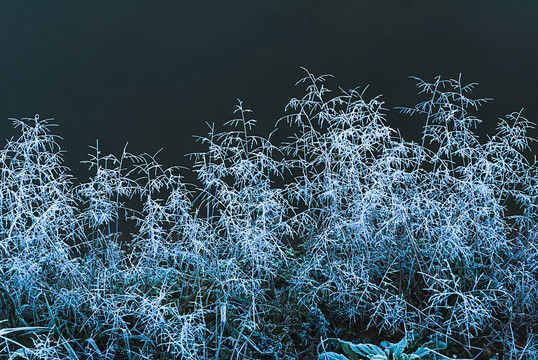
{"x":345,"y":230}
{"x":404,"y":236}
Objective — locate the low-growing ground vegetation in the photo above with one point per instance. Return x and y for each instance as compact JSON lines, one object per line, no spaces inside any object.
{"x":343,"y":234}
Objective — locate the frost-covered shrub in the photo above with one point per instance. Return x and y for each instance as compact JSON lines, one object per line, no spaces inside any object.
{"x":37,"y":215}
{"x":407,"y":235}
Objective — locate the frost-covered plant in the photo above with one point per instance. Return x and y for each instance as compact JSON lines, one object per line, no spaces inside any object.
{"x":99,"y":300}
{"x":37,"y":217}
{"x":352,"y":177}
{"x":398,"y":233}
{"x":247,"y":212}
{"x":247,"y":216}
{"x":37,"y":208}
{"x":387,"y":234}
{"x":102,"y":198}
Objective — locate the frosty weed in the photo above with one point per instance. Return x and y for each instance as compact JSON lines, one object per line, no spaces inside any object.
{"x":393,"y":236}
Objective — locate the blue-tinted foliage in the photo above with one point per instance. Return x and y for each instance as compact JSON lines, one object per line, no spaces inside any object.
{"x":344,"y":223}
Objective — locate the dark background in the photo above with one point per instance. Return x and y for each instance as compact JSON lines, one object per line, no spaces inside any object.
{"x":152,"y":72}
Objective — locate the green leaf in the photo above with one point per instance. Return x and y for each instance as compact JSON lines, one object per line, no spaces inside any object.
{"x":329,"y":355}
{"x":396,"y":348}
{"x":364,"y":350}
{"x":379,"y":357}
{"x":424,"y":350}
